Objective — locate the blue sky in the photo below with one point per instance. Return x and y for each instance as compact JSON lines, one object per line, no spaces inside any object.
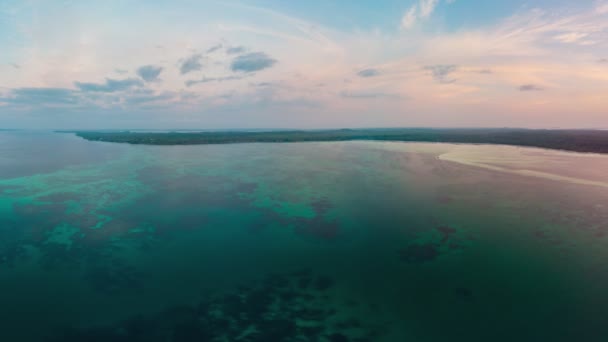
{"x":370,"y":14}
{"x":271,"y":63}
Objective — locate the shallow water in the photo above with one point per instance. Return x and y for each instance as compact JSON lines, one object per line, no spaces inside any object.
{"x":350,"y":241}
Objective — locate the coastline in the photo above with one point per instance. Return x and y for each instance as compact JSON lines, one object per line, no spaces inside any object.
{"x":582,"y":141}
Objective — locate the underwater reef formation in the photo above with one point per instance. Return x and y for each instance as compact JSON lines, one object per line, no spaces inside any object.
{"x":280,"y":308}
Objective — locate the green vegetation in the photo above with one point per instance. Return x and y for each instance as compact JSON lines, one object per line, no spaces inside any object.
{"x":571,"y":140}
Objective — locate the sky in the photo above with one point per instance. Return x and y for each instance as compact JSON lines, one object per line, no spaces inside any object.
{"x":186,"y":64}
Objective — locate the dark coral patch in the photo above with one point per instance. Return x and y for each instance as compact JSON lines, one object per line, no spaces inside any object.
{"x":8,"y":188}
{"x":60,"y":197}
{"x":420,"y":253}
{"x":337,"y":337}
{"x":115,"y":228}
{"x":10,"y":253}
{"x":246,"y":188}
{"x":351,"y":323}
{"x":464,"y":293}
{"x":323,"y":283}
{"x":38,"y":219}
{"x":276,"y":281}
{"x":318,"y":226}
{"x":319,"y":229}
{"x":113,"y":278}
{"x":304,"y":282}
{"x":321,"y":206}
{"x":256,"y":313}
{"x":444,"y":199}
{"x":446,"y":232}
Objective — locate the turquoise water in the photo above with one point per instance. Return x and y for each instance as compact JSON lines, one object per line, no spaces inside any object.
{"x":353,"y":241}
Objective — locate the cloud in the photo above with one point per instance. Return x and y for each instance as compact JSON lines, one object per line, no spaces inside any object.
{"x":190,"y":83}
{"x":149,"y":73}
{"x":368,"y":73}
{"x":15,"y":65}
{"x":111,"y":85}
{"x":214,"y":48}
{"x":427,"y":7}
{"x":250,"y":62}
{"x":234,"y":50}
{"x":420,"y":11}
{"x":367,"y":94}
{"x":602,"y":8}
{"x":192,"y":63}
{"x":262,"y":84}
{"x":603,"y":61}
{"x":530,"y":87}
{"x":571,"y":37}
{"x":409,"y":18}
{"x":41,"y":96}
{"x":441,"y":72}
{"x":148,"y":98}
{"x":121,"y":71}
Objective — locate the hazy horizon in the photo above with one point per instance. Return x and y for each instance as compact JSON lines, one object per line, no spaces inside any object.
{"x":320,"y":128}
{"x":265,"y":129}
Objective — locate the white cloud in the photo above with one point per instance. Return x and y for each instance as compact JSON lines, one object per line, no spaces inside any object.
{"x":602,"y":7}
{"x":427,"y":7}
{"x":409,"y":19}
{"x":571,"y":37}
{"x":420,"y":11}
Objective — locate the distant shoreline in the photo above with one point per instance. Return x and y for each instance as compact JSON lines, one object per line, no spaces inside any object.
{"x":594,"y":141}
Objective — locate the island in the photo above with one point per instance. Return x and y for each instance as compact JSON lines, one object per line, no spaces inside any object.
{"x":577,"y":140}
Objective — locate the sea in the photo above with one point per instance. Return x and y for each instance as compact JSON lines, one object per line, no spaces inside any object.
{"x":331,"y":241}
